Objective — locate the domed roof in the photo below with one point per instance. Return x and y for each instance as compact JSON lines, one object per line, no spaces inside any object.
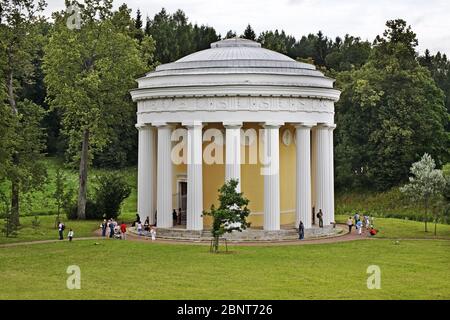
{"x":234,"y":64}
{"x":238,"y":53}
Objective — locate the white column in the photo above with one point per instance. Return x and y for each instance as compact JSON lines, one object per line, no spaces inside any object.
{"x":323,"y":173}
{"x":146,"y":172}
{"x":233,"y":152}
{"x":331,"y":172}
{"x":194,"y":176}
{"x":271,"y":172}
{"x":303,"y":182}
{"x":164,"y":177}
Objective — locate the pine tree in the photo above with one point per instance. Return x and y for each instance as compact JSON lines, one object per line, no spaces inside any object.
{"x":249,"y":33}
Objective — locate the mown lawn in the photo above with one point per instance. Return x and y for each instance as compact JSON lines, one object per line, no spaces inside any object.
{"x":405,"y":229}
{"x":135,"y":270}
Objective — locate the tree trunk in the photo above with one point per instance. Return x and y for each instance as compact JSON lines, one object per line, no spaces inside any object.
{"x":15,"y":203}
{"x":11,"y":98}
{"x":426,"y":215}
{"x":81,"y":212}
{"x":15,"y":211}
{"x":216,"y":244}
{"x":435,"y":225}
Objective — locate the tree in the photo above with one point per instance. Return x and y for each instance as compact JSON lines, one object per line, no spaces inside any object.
{"x":88,"y":72}
{"x":110,"y":193}
{"x":138,"y":24}
{"x":59,"y":194}
{"x":249,"y":33}
{"x":204,"y":36}
{"x":425,"y":183}
{"x":230,"y":34}
{"x":19,"y":44}
{"x":232,"y":213}
{"x":278,"y":41}
{"x":389,"y":112}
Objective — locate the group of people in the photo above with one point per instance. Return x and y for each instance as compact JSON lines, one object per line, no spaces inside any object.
{"x":145,"y":229}
{"x":61,"y":228}
{"x":360,"y":223}
{"x":116,"y":230}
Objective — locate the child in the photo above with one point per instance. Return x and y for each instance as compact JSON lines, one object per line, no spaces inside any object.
{"x":359,"y":226}
{"x":153,"y":233}
{"x":70,"y":234}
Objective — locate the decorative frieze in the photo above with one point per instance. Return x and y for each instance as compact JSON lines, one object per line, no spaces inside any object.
{"x":236,"y":104}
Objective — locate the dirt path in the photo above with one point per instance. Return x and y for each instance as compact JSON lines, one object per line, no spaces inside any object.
{"x":132,"y":237}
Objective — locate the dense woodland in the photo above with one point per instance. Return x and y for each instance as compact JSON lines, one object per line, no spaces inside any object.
{"x":64,"y":91}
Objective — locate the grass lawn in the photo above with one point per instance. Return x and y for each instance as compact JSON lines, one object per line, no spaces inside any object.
{"x":405,"y":229}
{"x":135,"y":270}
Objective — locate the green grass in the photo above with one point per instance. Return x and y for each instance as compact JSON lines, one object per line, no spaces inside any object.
{"x":405,"y":229}
{"x":388,"y":204}
{"x":135,"y":270}
{"x":46,"y":229}
{"x":42,"y":202}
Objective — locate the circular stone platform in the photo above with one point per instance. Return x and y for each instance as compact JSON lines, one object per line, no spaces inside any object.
{"x":252,"y":234}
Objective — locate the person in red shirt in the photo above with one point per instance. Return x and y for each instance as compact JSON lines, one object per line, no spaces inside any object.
{"x":123,"y":230}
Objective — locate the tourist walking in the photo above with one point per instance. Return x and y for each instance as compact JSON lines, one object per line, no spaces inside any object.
{"x":350,"y":224}
{"x":147,"y":225}
{"x":301,"y":231}
{"x":320,"y":217}
{"x":111,"y":226}
{"x":123,"y":230}
{"x":153,"y":233}
{"x":356,"y":217}
{"x":70,"y":235}
{"x":61,"y":228}
{"x":104,"y":225}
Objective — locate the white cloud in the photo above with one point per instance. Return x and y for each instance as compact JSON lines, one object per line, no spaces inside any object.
{"x":363,"y":18}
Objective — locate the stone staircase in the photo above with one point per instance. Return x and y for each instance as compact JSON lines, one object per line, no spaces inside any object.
{"x":250,"y":235}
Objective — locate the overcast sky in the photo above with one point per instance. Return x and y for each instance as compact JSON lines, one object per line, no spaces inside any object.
{"x":430,"y":19}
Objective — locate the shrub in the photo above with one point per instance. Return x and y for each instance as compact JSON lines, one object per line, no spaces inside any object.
{"x":92,"y":213}
{"x":111,"y":191}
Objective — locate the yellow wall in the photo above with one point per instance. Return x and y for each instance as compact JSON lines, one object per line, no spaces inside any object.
{"x":252,"y":182}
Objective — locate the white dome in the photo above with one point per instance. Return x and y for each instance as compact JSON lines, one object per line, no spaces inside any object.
{"x":236,"y":67}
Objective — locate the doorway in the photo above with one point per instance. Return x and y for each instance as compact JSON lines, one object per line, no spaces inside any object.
{"x":182,"y":201}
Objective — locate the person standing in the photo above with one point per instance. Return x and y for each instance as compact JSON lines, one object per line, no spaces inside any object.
{"x":350,"y":224}
{"x":320,"y":217}
{"x":104,"y":225}
{"x":356,"y":217}
{"x":174,"y":216}
{"x":70,"y":235}
{"x":61,"y":230}
{"x":153,"y":233}
{"x":139,"y":228}
{"x":111,"y":228}
{"x":359,"y":227}
{"x":367,"y":222}
{"x":123,"y":230}
{"x":301,"y":230}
